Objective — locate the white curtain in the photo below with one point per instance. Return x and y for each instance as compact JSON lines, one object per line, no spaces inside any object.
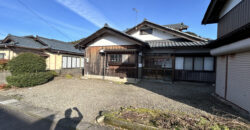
{"x":64,"y":62}
{"x":82,"y":62}
{"x":198,"y":63}
{"x":78,"y":62}
{"x":188,"y":64}
{"x":179,"y":63}
{"x":69,"y":65}
{"x":209,"y":63}
{"x":74,"y":62}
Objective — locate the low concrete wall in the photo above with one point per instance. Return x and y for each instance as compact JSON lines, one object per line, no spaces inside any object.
{"x":3,"y":75}
{"x":115,"y":79}
{"x":74,"y":72}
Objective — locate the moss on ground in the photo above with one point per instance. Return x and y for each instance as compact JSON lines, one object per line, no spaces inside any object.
{"x":174,"y":120}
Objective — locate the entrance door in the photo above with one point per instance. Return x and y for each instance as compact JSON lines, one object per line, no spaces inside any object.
{"x":158,"y":66}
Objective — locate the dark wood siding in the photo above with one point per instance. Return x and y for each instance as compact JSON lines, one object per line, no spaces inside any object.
{"x":237,"y":17}
{"x":201,"y":76}
{"x":95,"y":66}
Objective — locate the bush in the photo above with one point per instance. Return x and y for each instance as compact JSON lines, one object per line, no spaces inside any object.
{"x":27,"y":63}
{"x":3,"y":64}
{"x":29,"y":79}
{"x":54,"y":73}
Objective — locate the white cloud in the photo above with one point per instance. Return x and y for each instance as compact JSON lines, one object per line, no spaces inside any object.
{"x":87,"y":11}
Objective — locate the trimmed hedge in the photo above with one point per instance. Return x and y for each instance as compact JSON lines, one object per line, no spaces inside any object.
{"x":29,"y":79}
{"x":27,"y":63}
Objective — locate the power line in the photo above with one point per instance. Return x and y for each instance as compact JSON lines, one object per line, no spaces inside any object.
{"x":44,"y":20}
{"x":136,"y":17}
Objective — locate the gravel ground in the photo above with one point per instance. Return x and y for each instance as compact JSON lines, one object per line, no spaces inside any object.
{"x":91,"y":96}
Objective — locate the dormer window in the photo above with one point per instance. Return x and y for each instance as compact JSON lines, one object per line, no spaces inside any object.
{"x":146,"y":31}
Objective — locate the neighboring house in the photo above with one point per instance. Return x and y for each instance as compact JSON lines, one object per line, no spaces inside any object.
{"x":60,"y":56}
{"x":232,"y":49}
{"x":148,"y":50}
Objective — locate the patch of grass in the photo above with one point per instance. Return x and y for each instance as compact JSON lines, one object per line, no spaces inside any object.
{"x":68,"y":76}
{"x":18,"y":97}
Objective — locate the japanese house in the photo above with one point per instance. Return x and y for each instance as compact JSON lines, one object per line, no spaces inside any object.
{"x":232,"y":49}
{"x":60,"y":56}
{"x":148,"y":50}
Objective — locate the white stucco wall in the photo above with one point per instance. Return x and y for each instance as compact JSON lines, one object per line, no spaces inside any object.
{"x":228,"y":6}
{"x":109,"y":40}
{"x":221,"y":76}
{"x":156,"y":35}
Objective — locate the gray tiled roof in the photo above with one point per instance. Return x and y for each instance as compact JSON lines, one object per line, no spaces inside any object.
{"x":178,"y":26}
{"x":169,"y":43}
{"x":59,"y":45}
{"x":25,"y":42}
{"x":41,"y":43}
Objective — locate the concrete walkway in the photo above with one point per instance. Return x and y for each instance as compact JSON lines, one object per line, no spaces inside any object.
{"x":19,"y":115}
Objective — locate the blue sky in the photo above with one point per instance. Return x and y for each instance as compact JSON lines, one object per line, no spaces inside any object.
{"x":70,"y":20}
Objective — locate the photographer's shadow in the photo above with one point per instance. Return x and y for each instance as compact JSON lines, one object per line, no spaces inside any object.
{"x":68,"y":121}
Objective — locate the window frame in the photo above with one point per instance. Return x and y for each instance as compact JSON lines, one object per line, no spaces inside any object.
{"x":146,"y":31}
{"x":3,"y":56}
{"x":71,"y":62}
{"x":193,"y":62}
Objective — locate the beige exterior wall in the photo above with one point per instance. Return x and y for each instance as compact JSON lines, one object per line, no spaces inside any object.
{"x":8,"y":54}
{"x":54,"y":61}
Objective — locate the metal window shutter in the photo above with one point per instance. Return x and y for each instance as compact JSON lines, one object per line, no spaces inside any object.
{"x":239,"y":80}
{"x":220,"y":76}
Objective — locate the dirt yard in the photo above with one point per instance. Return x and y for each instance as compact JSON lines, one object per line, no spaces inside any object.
{"x":91,"y":96}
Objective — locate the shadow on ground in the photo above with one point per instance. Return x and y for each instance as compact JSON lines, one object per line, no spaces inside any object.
{"x":13,"y":120}
{"x":197,"y":95}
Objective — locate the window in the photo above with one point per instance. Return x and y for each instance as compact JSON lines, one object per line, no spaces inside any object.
{"x":198,"y":63}
{"x":1,"y":55}
{"x":69,"y":65}
{"x":146,"y":31}
{"x":194,"y":63}
{"x":64,"y":64}
{"x":78,"y":62}
{"x":209,"y":63}
{"x":179,"y":63}
{"x":116,"y":58}
{"x":188,"y":63}
{"x":71,"y":62}
{"x":125,"y":58}
{"x":82,"y":62}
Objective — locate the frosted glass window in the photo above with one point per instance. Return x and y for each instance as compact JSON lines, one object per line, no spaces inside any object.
{"x":209,"y":63}
{"x":198,"y":63}
{"x":69,"y":65}
{"x":64,"y":62}
{"x":179,"y":63}
{"x":78,"y":62}
{"x":73,"y":62}
{"x":188,"y":64}
{"x":82,"y":62}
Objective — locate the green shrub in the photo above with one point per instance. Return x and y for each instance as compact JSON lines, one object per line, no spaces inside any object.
{"x":27,"y":63}
{"x":29,"y":79}
{"x":54,"y":73}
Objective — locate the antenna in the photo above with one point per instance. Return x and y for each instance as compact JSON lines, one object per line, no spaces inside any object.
{"x":136,"y":17}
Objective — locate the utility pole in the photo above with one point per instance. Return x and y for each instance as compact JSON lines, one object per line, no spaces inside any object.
{"x":136,"y":17}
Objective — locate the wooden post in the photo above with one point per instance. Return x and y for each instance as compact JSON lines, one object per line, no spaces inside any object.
{"x":173,"y":68}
